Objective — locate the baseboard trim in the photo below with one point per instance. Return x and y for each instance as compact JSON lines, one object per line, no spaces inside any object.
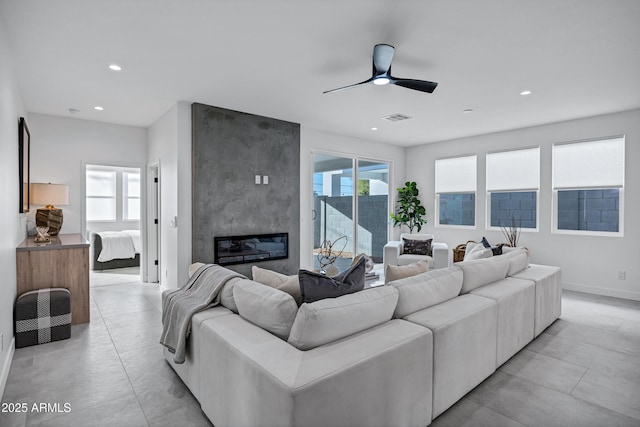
{"x":6,"y":366}
{"x":635,"y":296}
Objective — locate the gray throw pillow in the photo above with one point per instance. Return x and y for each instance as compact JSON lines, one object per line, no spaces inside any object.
{"x":315,"y":286}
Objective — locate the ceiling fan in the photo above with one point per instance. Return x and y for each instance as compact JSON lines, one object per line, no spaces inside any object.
{"x":382,"y":56}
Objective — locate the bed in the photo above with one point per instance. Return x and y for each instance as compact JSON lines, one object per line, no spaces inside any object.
{"x":115,"y":249}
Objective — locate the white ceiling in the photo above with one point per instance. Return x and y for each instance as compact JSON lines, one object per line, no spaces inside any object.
{"x":274,"y":58}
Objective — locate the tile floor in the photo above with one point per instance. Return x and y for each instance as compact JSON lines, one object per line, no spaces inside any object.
{"x":583,"y":371}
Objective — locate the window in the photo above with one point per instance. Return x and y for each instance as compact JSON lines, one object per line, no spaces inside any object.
{"x":456,"y":191}
{"x":513,"y":180}
{"x":101,"y":195}
{"x":131,"y":196}
{"x":112,"y":193}
{"x":588,"y":186}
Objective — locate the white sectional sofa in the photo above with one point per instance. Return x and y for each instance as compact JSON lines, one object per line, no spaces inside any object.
{"x":399,"y":354}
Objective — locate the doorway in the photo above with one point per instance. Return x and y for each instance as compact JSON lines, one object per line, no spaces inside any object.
{"x":350,"y":208}
{"x":153,"y":220}
{"x":113,"y":210}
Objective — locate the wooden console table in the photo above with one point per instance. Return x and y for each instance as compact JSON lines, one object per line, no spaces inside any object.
{"x":62,"y":263}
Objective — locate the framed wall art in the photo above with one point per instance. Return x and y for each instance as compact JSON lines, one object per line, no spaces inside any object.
{"x":24,"y":150}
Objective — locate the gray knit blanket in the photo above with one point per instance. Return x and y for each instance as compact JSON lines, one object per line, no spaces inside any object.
{"x":202,"y":291}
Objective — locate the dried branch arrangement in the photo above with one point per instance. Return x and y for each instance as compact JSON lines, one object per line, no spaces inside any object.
{"x":512,"y":232}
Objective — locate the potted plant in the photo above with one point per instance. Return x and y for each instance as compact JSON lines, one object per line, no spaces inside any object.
{"x":409,"y":210}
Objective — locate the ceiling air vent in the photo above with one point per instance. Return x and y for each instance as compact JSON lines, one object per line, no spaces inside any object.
{"x":396,"y":117}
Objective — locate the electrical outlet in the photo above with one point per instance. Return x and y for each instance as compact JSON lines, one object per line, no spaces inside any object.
{"x":622,"y":275}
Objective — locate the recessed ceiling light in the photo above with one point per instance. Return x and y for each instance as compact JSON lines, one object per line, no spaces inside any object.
{"x":468,"y":110}
{"x":115,"y":67}
{"x":73,"y":111}
{"x":99,"y":108}
{"x":525,"y":92}
{"x":374,"y":128}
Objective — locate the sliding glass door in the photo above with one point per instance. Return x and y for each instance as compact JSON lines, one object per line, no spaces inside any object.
{"x":350,"y":209}
{"x":372,"y":208}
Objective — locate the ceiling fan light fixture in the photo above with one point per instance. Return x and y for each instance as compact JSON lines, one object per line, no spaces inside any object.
{"x":382,"y":57}
{"x":380,"y":81}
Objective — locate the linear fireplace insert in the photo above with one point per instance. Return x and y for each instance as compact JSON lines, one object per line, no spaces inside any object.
{"x":250,"y":248}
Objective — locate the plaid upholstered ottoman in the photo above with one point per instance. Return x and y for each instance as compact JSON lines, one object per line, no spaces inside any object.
{"x":43,"y":316}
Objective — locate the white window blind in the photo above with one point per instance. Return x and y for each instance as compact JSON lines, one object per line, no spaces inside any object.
{"x":101,"y":195}
{"x":513,"y":170}
{"x":456,"y":175}
{"x":589,"y":164}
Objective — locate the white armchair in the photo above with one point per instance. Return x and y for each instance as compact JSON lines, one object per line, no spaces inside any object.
{"x":394,"y":252}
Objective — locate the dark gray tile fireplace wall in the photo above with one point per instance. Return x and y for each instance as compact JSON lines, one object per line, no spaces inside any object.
{"x":229,"y":149}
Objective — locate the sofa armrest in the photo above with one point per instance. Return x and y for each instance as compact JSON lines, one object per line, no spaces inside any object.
{"x":392,"y":250}
{"x":252,"y":378}
{"x":442,"y":256}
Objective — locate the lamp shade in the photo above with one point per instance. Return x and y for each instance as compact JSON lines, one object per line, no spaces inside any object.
{"x":49,"y":194}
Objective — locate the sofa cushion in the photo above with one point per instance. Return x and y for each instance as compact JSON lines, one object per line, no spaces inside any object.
{"x":288,"y":284}
{"x":518,"y":260}
{"x":396,"y":272}
{"x":480,"y":272}
{"x":226,"y":295}
{"x":315,"y":286}
{"x":266,"y":307}
{"x":330,"y":319}
{"x":195,"y":267}
{"x":424,"y":290}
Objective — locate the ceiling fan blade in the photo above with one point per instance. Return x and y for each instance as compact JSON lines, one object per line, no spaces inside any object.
{"x":348,"y":87}
{"x":382,"y":56}
{"x":421,"y":85}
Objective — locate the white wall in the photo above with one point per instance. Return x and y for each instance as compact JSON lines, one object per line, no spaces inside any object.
{"x":169,"y":146}
{"x":61,"y":148}
{"x":314,"y":140}
{"x":589,"y":264}
{"x":14,"y":228}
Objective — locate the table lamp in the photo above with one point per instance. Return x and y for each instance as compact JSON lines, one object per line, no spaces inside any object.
{"x":49,"y":195}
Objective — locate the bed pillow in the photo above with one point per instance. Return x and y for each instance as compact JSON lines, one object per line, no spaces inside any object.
{"x":396,"y":272}
{"x":271,"y":309}
{"x":288,"y":284}
{"x":316,"y":286}
{"x":330,"y":319}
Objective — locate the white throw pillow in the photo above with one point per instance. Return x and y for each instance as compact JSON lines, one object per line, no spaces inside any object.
{"x":330,"y":319}
{"x":288,"y":284}
{"x":426,"y":289}
{"x":476,"y":251}
{"x":271,"y":309}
